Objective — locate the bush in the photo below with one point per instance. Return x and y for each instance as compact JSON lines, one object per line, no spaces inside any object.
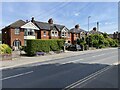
{"x":37,"y":45}
{"x":101,"y":46}
{"x":54,"y":46}
{"x":5,"y":49}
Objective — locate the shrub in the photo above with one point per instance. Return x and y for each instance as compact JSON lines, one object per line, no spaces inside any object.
{"x":54,"y":45}
{"x":37,"y":45}
{"x":101,"y":46}
{"x":5,"y":49}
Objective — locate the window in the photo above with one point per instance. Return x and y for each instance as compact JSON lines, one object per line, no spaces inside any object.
{"x":54,"y":33}
{"x":63,"y":34}
{"x":68,"y":34}
{"x":17,"y":31}
{"x":29,"y":32}
{"x":44,"y":33}
{"x":25,"y":33}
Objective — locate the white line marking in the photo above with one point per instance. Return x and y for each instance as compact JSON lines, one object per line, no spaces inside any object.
{"x":87,"y":78}
{"x":16,"y":75}
{"x":72,"y":61}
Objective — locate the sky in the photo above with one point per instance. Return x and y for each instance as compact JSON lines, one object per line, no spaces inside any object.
{"x":65,"y":13}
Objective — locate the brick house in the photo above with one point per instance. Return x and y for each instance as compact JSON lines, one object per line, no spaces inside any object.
{"x":18,"y":32}
{"x":76,"y":33}
{"x":116,"y":35}
{"x":95,"y":31}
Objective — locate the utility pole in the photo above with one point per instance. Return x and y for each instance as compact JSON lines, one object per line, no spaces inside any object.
{"x":88,"y":30}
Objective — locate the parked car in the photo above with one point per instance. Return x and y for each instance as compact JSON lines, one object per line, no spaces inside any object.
{"x":67,"y":45}
{"x":75,"y":47}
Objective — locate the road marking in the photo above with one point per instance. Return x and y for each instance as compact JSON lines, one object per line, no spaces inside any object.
{"x":98,"y":55}
{"x":73,"y":85}
{"x":16,"y":75}
{"x":72,"y":61}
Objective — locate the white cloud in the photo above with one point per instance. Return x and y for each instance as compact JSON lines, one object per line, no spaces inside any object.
{"x":76,"y":14}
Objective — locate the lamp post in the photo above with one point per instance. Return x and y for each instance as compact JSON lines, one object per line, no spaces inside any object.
{"x":88,"y":30}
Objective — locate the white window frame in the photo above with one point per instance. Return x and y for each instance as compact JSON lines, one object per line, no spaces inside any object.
{"x":63,"y":34}
{"x":44,"y":33}
{"x":17,"y":31}
{"x":54,"y":33}
{"x":29,"y":32}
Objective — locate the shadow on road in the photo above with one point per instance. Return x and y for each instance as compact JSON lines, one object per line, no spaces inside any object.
{"x":53,"y":75}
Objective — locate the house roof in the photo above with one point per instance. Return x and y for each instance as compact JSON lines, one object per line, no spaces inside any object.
{"x":17,"y":24}
{"x":47,"y":26}
{"x":74,"y":30}
{"x":110,"y":35}
{"x":95,"y":32}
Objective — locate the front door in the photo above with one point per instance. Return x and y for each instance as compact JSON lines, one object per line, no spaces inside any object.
{"x":16,"y":44}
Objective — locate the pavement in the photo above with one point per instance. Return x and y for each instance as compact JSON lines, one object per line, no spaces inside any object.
{"x":22,"y":60}
{"x":66,"y":72}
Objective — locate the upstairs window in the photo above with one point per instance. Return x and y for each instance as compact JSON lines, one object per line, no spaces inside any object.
{"x":17,"y":31}
{"x":44,"y":33}
{"x":29,"y":32}
{"x":25,"y":33}
{"x":63,"y":34}
{"x":54,"y":33}
{"x":68,"y":34}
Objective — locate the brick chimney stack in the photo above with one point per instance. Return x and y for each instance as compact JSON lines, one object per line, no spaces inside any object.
{"x":32,"y":19}
{"x":77,"y":26}
{"x":95,"y":29}
{"x":50,"y":21}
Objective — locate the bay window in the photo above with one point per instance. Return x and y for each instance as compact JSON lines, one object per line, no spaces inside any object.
{"x":29,"y":32}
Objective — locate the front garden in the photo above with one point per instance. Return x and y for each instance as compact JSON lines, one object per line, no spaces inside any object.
{"x":5,"y":52}
{"x":38,"y":46}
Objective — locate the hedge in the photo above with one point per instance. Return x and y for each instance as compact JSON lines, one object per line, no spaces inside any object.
{"x":38,"y":45}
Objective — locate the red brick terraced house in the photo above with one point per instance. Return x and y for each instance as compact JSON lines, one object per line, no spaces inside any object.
{"x":77,"y":33}
{"x":18,"y":32}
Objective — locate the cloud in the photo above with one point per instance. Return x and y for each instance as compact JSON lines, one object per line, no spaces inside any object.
{"x":76,"y":14}
{"x":110,"y":23}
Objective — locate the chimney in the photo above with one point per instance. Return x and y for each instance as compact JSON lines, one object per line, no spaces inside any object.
{"x":50,"y":21}
{"x":32,"y":19}
{"x":77,"y":26}
{"x":95,"y":29}
{"x":97,"y":26}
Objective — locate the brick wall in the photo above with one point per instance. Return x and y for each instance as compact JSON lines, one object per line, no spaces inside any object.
{"x":19,"y":37}
{"x":6,"y":36}
{"x":47,"y":34}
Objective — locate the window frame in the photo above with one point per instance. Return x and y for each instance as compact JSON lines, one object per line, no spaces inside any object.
{"x":44,"y":33}
{"x":17,"y":31}
{"x":54,"y":33}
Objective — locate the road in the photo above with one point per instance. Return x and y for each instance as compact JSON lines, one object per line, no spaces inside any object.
{"x":73,"y":72}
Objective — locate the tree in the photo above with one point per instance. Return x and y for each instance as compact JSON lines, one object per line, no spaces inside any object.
{"x":105,"y":35}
